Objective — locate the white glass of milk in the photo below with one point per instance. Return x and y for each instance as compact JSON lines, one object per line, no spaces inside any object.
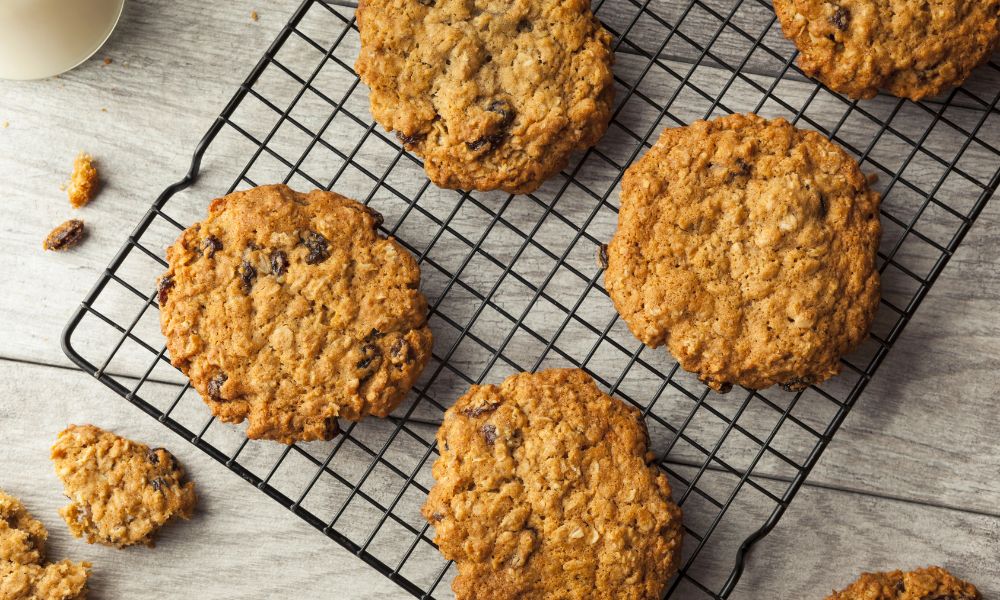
{"x":42,"y":38}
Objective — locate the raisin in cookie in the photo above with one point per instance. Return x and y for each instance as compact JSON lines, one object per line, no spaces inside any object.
{"x":748,"y":247}
{"x":932,"y":583}
{"x":546,"y":489}
{"x":289,"y":310}
{"x":63,"y":580}
{"x":22,"y":537}
{"x":122,"y":492}
{"x":911,"y":49}
{"x":492,"y":95}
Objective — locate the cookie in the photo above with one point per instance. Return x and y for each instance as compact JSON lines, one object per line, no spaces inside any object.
{"x":290,"y":311}
{"x":22,"y":537}
{"x":493,"y":95}
{"x":932,"y":583}
{"x":63,"y":580}
{"x":747,"y":247}
{"x":546,"y":488}
{"x":121,"y":491}
{"x":910,"y":49}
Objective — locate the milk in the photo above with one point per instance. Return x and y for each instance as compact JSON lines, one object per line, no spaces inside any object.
{"x":41,"y":38}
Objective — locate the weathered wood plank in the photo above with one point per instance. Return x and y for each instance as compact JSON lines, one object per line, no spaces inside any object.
{"x":827,"y":539}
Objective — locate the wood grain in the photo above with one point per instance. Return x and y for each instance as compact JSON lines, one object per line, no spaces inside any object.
{"x":242,"y":544}
{"x":921,"y":435}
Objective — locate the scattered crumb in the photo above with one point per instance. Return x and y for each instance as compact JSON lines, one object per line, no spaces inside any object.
{"x":254,"y":16}
{"x":107,"y":60}
{"x":872,"y":178}
{"x":5,"y":124}
{"x":104,"y":110}
{"x":65,"y":236}
{"x":83,"y":181}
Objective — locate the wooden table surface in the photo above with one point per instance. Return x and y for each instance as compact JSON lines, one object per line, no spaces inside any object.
{"x":913,"y":477}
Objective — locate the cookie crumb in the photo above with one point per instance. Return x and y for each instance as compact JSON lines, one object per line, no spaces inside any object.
{"x":64,"y":236}
{"x":107,"y":61}
{"x":254,"y":16}
{"x":104,"y":110}
{"x":83,"y":181}
{"x":5,"y":124}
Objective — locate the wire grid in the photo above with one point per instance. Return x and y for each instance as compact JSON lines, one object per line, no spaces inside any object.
{"x":513,"y":283}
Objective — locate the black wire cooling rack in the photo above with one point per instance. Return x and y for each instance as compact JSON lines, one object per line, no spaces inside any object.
{"x":514,"y":286}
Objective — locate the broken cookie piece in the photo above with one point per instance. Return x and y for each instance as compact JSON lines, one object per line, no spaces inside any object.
{"x":64,"y":580}
{"x":83,"y":182}
{"x":22,"y":537}
{"x":122,"y":491}
{"x":22,"y":549}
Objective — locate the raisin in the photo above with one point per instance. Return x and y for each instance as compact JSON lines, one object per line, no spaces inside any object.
{"x":490,"y":140}
{"x":475,"y":411}
{"x":65,"y":236}
{"x":796,"y":385}
{"x":332,"y":427}
{"x":410,"y":140}
{"x":168,"y":459}
{"x":371,"y":352}
{"x":436,"y":516}
{"x":504,"y":109}
{"x":506,"y":112}
{"x":602,"y":256}
{"x":163,"y":288}
{"x":373,"y":335}
{"x":158,"y":484}
{"x":524,"y":26}
{"x":379,"y":219}
{"x":211,"y":245}
{"x":489,"y":433}
{"x":401,"y":351}
{"x":215,"y":386}
{"x":279,"y":263}
{"x":823,"y":208}
{"x":840,"y":18}
{"x":426,"y":2}
{"x":740,"y":168}
{"x":318,"y":248}
{"x":725,"y":387}
{"x":247,"y":274}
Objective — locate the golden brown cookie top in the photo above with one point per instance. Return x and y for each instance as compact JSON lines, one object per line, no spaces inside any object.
{"x":121,"y":491}
{"x":911,"y":49}
{"x":748,"y":247}
{"x":546,"y":488}
{"x":291,"y":311}
{"x":63,"y":580}
{"x":493,"y":95}
{"x":22,"y":537}
{"x":931,"y":583}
